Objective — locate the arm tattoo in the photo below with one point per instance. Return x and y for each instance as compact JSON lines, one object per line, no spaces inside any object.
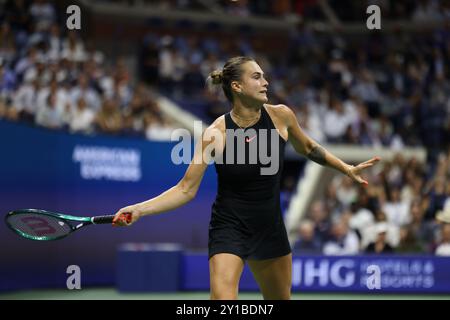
{"x":317,"y":154}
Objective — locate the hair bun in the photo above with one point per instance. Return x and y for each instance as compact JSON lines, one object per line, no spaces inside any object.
{"x":216,"y":77}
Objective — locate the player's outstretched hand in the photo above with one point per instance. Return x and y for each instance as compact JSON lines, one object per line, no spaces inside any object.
{"x":354,"y":172}
{"x":126,"y":216}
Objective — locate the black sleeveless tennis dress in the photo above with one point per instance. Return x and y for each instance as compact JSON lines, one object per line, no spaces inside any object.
{"x":246,"y":216}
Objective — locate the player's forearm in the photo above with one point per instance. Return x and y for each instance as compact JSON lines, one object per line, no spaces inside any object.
{"x":323,"y":157}
{"x":169,"y":200}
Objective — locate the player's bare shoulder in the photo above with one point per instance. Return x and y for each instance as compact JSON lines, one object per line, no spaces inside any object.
{"x":280,"y":111}
{"x":219,"y":123}
{"x":218,"y":126}
{"x":215,"y":133}
{"x":281,"y":115}
{"x":213,"y":139}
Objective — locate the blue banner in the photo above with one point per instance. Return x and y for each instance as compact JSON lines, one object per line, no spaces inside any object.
{"x":369,"y":274}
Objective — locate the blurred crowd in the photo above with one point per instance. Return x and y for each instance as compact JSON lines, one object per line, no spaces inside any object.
{"x":405,"y":209}
{"x":51,"y":78}
{"x":410,"y":10}
{"x":385,"y":90}
{"x":345,"y":10}
{"x":242,"y":8}
{"x":374,"y":89}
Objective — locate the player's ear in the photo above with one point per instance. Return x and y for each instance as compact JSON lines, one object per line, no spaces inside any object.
{"x":236,"y":86}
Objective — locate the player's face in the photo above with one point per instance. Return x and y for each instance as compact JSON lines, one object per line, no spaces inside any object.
{"x":253,"y":85}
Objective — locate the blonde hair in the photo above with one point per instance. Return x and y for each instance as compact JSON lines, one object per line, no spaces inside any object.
{"x":214,"y":79}
{"x":232,"y":71}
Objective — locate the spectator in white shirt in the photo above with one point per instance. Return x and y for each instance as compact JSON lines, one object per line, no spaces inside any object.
{"x":157,"y":129}
{"x":43,"y":14}
{"x":83,"y":90}
{"x":369,"y":232}
{"x":24,"y":100}
{"x":54,"y":43}
{"x":360,"y":219}
{"x":344,"y":241}
{"x":336,"y":121}
{"x":311,"y":123}
{"x":443,"y":249}
{"x":73,"y":48}
{"x":61,"y":95}
{"x":397,"y":211}
{"x":26,"y":62}
{"x":166,"y":61}
{"x":82,"y":118}
{"x":443,"y":216}
{"x":50,"y":115}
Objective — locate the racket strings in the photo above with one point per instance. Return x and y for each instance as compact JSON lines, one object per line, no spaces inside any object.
{"x":39,"y":225}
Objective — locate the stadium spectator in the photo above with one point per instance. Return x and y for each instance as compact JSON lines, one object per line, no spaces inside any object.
{"x":42,"y":14}
{"x":443,"y":249}
{"x":409,"y":243}
{"x":7,"y":82}
{"x":307,"y":241}
{"x":369,"y":232}
{"x":420,"y":230}
{"x":7,"y":43}
{"x":81,"y":118}
{"x":83,"y":90}
{"x":396,"y":210}
{"x":109,"y":119}
{"x":157,"y":128}
{"x":343,"y":240}
{"x":380,"y":245}
{"x":50,"y":115}
{"x":319,"y":215}
{"x":24,"y":101}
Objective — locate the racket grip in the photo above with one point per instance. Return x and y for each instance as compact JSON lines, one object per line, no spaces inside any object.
{"x":109,"y":219}
{"x":103,"y":219}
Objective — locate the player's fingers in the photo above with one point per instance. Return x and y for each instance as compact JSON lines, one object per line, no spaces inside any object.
{"x":117,"y":216}
{"x":368,"y":163}
{"x":374,"y":160}
{"x":365,"y":165}
{"x":122,"y":219}
{"x":361,"y":181}
{"x":371,"y":161}
{"x":127,"y":218}
{"x":355,"y":176}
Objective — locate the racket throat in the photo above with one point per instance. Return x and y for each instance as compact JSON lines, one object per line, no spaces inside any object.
{"x":79,"y":226}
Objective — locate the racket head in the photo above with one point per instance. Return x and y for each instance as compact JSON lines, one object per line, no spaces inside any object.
{"x":42,"y":225}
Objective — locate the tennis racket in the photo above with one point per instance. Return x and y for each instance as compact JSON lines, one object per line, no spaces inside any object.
{"x":43,"y":225}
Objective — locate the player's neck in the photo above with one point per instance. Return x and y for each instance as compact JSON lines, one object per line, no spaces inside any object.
{"x":246,"y":112}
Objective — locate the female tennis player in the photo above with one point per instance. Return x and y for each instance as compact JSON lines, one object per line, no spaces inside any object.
{"x":246,"y":222}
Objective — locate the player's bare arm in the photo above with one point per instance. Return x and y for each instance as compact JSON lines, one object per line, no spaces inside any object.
{"x":186,"y":189}
{"x":306,"y":146}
